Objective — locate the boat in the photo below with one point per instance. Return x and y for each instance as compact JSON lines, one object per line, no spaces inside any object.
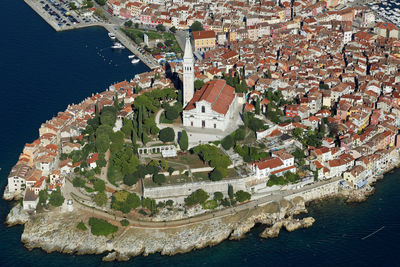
{"x":131,"y":56}
{"x":111,"y":35}
{"x":134,"y":61}
{"x":117,"y":46}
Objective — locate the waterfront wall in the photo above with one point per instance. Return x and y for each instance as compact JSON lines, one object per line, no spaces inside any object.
{"x":318,"y":192}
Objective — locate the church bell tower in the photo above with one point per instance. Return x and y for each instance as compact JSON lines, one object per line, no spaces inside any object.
{"x":188,"y":72}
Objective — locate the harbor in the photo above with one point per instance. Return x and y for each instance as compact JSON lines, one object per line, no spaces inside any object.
{"x":54,"y":16}
{"x":387,"y":11}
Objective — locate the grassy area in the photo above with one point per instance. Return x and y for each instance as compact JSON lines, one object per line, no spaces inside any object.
{"x":192,"y":160}
{"x":137,"y":35}
{"x":101,"y":227}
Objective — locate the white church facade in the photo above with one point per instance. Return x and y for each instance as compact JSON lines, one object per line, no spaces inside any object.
{"x":212,"y":106}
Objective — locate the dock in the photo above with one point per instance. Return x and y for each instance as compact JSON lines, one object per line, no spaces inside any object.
{"x":147,"y":59}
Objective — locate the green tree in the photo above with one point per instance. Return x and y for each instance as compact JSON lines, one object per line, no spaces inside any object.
{"x":196,"y":26}
{"x":99,"y":185}
{"x":159,"y":45}
{"x":43,"y":196}
{"x":184,"y":140}
{"x":136,"y":25}
{"x":100,"y":199}
{"x":72,"y":6}
{"x":159,"y":179}
{"x":160,"y":28}
{"x":167,"y":135}
{"x":169,"y":203}
{"x":130,"y":179}
{"x":124,"y":222}
{"x":170,"y":170}
{"x":242,"y":196}
{"x":198,"y":84}
{"x":230,"y":191}
{"x":171,"y":113}
{"x":78,"y":182}
{"x":240,"y":134}
{"x":298,"y":132}
{"x":101,"y":2}
{"x":216,"y":174}
{"x":56,"y":198}
{"x":128,"y":23}
{"x":218,"y":196}
{"x":197,"y":197}
{"x":169,"y":43}
{"x":173,"y":29}
{"x":227,"y":142}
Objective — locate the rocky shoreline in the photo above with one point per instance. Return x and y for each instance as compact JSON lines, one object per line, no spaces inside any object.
{"x":56,"y":231}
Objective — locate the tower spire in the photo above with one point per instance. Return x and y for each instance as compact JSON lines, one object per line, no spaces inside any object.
{"x":188,"y":72}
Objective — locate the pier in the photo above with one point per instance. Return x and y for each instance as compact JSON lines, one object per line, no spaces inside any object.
{"x":147,"y":59}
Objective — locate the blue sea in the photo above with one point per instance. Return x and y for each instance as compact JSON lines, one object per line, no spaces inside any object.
{"x":43,"y":71}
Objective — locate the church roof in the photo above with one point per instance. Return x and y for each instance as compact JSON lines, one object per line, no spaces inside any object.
{"x":217,"y":93}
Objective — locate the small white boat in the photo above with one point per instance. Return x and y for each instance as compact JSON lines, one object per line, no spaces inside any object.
{"x":117,"y":46}
{"x":134,"y":61}
{"x":131,"y":56}
{"x":111,"y":35}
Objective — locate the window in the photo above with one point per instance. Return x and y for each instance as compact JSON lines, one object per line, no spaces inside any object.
{"x":203,"y":124}
{"x":191,"y":123}
{"x":215,"y":125}
{"x":203,"y":109}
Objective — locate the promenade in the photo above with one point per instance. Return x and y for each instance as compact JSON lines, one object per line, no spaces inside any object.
{"x":147,"y":59}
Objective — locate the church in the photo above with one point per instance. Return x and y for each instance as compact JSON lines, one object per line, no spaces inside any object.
{"x":212,"y":106}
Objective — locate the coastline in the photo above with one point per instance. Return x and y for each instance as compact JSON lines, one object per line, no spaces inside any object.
{"x":59,"y":233}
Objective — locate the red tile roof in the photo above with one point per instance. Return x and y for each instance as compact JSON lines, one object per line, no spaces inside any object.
{"x":217,"y":93}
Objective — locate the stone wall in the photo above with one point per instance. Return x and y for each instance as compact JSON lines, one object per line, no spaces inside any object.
{"x":321,"y":191}
{"x":179,"y":192}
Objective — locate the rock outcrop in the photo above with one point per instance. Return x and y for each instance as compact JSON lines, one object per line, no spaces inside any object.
{"x":17,"y":216}
{"x":56,"y":231}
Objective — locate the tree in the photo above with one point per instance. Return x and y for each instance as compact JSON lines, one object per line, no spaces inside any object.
{"x":101,"y":2}
{"x":170,"y":170}
{"x":298,"y":132}
{"x":128,"y":23}
{"x":227,"y":142}
{"x":240,"y":134}
{"x":159,"y":179}
{"x":99,"y":185}
{"x":100,"y":199}
{"x":78,"y":182}
{"x":253,"y":123}
{"x":184,"y":141}
{"x":196,"y":26}
{"x":130,"y":179}
{"x":89,"y":4}
{"x":160,"y":28}
{"x":197,"y":197}
{"x":72,"y":6}
{"x":171,"y":113}
{"x":257,"y":107}
{"x":43,"y":196}
{"x":198,"y":84}
{"x":56,"y":198}
{"x":167,"y":135}
{"x":218,"y":196}
{"x":169,"y":203}
{"x":230,"y":191}
{"x":169,"y":42}
{"x":136,"y":25}
{"x":242,"y":196}
{"x":216,"y":175}
{"x":124,"y":222}
{"x":173,"y":29}
{"x":159,"y":45}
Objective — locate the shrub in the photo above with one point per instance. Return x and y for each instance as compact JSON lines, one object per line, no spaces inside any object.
{"x":197,"y":197}
{"x":99,"y":185}
{"x":101,"y":227}
{"x":130,"y":179}
{"x":159,"y":178}
{"x":169,"y":203}
{"x":78,"y":182}
{"x":242,"y":196}
{"x":184,"y":141}
{"x":56,"y":198}
{"x":100,"y":199}
{"x":210,"y":204}
{"x":124,"y":222}
{"x":216,"y":175}
{"x":218,"y":196}
{"x":81,"y":226}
